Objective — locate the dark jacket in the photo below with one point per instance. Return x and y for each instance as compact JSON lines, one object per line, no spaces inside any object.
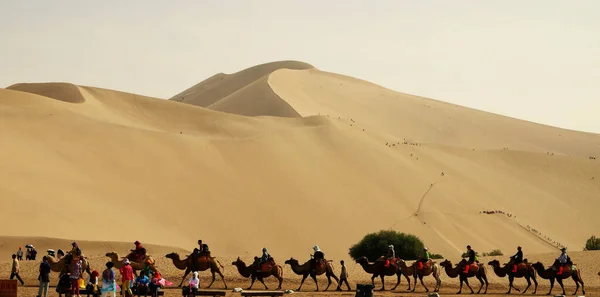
{"x":471,"y":256}
{"x":518,"y":257}
{"x":44,"y":272}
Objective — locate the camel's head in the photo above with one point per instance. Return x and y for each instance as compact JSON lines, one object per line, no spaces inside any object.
{"x":237,"y":262}
{"x":362,"y":260}
{"x":291,"y":261}
{"x":537,"y":265}
{"x":446,"y":263}
{"x":172,"y":256}
{"x":111,"y":254}
{"x":598,"y":273}
{"x":494,"y":263}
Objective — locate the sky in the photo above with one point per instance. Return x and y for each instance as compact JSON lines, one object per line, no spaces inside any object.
{"x":533,"y":60}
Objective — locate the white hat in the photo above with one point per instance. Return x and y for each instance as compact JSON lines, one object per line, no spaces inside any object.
{"x":425,"y":248}
{"x":196,"y":273}
{"x":126,"y":261}
{"x":316,"y":248}
{"x":391,"y":246}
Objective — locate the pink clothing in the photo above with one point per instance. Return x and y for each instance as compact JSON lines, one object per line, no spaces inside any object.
{"x":126,"y":272}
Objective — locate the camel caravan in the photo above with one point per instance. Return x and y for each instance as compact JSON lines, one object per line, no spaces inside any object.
{"x":387,"y":265}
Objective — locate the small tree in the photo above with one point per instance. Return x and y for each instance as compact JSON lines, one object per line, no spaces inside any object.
{"x":375,"y":245}
{"x":592,"y":244}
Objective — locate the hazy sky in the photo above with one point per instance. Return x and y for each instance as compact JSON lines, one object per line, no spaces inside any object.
{"x":535,"y":60}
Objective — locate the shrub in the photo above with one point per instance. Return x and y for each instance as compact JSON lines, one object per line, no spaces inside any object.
{"x":436,"y":256}
{"x":375,"y":245}
{"x":493,"y":253}
{"x":592,"y":244}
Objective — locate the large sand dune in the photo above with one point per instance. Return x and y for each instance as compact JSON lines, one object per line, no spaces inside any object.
{"x":324,"y":160}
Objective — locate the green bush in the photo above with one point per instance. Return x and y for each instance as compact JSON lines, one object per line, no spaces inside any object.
{"x":375,"y":245}
{"x":592,"y":244}
{"x":436,"y":256}
{"x":493,"y":253}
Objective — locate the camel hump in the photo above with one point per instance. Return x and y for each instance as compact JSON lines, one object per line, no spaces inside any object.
{"x":525,"y":260}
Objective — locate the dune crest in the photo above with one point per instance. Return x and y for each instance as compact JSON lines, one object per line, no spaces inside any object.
{"x":60,"y":91}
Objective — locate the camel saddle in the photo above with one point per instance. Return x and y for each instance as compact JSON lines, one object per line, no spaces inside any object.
{"x":267,"y":266}
{"x":393,"y":262}
{"x":428,"y":264}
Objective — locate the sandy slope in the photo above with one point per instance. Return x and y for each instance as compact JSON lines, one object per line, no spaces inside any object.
{"x":168,"y":173}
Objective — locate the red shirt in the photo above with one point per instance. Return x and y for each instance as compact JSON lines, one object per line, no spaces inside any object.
{"x":126,"y":272}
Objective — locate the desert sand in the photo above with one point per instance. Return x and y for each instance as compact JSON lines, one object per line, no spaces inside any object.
{"x":286,"y":156}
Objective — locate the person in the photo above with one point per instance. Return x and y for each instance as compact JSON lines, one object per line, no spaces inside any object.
{"x":108,"y":281}
{"x":517,"y":259}
{"x":317,"y":258}
{"x":75,"y":270}
{"x":73,"y":255}
{"x":343,"y":277}
{"x":126,"y":277}
{"x":14,"y":272}
{"x":390,"y":255}
{"x":44,"y":277}
{"x":141,"y":284}
{"x":92,"y":284}
{"x":33,"y":253}
{"x":562,"y":260}
{"x":424,"y":258}
{"x":60,"y":254}
{"x":139,"y":253}
{"x":51,"y":253}
{"x":20,"y":254}
{"x":194,"y":284}
{"x":472,"y":258}
{"x":263,"y":259}
{"x":148,"y":270}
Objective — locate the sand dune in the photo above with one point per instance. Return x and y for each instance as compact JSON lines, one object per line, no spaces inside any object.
{"x":168,"y":172}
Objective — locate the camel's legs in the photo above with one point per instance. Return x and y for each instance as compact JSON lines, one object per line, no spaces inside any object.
{"x":551,"y":285}
{"x":397,"y":281}
{"x":422,"y":283}
{"x":480,"y":284}
{"x":382,"y":283}
{"x":535,"y":282}
{"x":213,"y":278}
{"x":528,"y":279}
{"x":438,"y":281}
{"x":302,"y":282}
{"x":559,"y":280}
{"x":187,"y":271}
{"x":469,"y":286}
{"x":373,"y":279}
{"x":252,"y":283}
{"x":461,"y":284}
{"x":337,"y":280}
{"x":314,"y":277}
{"x":407,"y":280}
{"x":262,"y":281}
{"x":222,"y":277}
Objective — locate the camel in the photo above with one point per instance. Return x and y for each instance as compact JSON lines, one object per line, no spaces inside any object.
{"x":305,"y":271}
{"x":204,"y":263}
{"x":250,"y":271}
{"x":433,"y":270}
{"x":59,"y":266}
{"x":378,"y":268}
{"x":118,"y":262}
{"x":478,"y":271}
{"x":567,"y":272}
{"x":524,"y":270}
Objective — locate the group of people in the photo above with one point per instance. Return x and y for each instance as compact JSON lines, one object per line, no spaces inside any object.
{"x":30,"y":253}
{"x":516,"y":259}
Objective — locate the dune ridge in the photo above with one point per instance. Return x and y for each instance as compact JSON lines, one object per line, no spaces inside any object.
{"x":355,"y":158}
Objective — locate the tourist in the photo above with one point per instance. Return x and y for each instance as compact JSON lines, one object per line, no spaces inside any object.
{"x":141,"y":284}
{"x":194,"y":284}
{"x":126,"y":277}
{"x":20,"y":254}
{"x":108,"y":281}
{"x":44,"y":278}
{"x":15,"y":269}
{"x":343,"y":277}
{"x":76,"y":270}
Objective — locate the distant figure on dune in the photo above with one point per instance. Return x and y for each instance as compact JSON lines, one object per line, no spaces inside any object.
{"x":20,"y":254}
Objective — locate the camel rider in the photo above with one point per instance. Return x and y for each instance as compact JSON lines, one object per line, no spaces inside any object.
{"x":390,"y":255}
{"x":317,"y":258}
{"x":424,"y":258}
{"x":139,"y":253}
{"x":263,"y":259}
{"x":562,"y":260}
{"x":517,"y":259}
{"x":472,"y":258}
{"x":73,"y":255}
